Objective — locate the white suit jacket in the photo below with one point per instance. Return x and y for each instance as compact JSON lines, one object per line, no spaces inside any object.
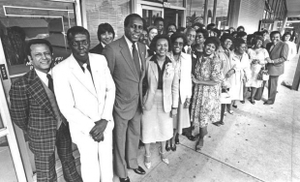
{"x":81,"y":101}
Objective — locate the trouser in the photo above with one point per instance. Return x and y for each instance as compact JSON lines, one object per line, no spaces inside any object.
{"x":45,"y":165}
{"x":126,"y":142}
{"x":272,"y":86}
{"x":95,"y":157}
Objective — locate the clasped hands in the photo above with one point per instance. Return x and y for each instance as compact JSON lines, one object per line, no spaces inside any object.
{"x":97,"y":131}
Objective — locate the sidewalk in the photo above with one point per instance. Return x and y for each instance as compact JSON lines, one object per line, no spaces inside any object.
{"x":257,"y":143}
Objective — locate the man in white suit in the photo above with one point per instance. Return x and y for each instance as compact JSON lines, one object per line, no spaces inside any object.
{"x":85,"y":94}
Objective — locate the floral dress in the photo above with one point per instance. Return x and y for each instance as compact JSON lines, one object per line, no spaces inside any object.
{"x":206,"y":104}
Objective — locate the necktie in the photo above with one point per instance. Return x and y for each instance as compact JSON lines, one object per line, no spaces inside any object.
{"x":135,"y":58}
{"x":87,"y":72}
{"x":50,"y":82}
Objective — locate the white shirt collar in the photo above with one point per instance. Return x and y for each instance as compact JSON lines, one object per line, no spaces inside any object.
{"x":129,"y":43}
{"x":103,"y":45}
{"x":42,"y":76}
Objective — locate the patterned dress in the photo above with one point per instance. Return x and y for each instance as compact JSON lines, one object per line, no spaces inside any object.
{"x":206,"y":104}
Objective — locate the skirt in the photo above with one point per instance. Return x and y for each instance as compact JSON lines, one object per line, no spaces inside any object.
{"x":157,"y":125}
{"x":182,"y":120}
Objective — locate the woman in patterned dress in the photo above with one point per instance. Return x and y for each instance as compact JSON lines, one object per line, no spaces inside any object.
{"x":206,"y":105}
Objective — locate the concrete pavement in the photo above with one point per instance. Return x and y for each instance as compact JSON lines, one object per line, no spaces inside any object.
{"x":257,"y":143}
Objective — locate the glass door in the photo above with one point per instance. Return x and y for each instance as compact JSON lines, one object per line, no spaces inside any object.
{"x":21,"y":21}
{"x":11,"y":168}
{"x":149,"y":13}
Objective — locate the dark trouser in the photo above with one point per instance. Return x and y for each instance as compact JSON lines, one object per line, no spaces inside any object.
{"x":126,"y":141}
{"x":272,"y":87}
{"x":45,"y":165}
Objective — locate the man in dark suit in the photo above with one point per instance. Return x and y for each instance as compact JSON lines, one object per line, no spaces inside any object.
{"x":35,"y":111}
{"x":278,"y":52}
{"x":126,"y":61}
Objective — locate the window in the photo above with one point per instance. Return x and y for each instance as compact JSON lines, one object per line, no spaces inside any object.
{"x":21,"y":21}
{"x":103,"y":11}
{"x":222,"y":13}
{"x":195,"y":12}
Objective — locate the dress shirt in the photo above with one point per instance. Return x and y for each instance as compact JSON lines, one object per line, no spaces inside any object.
{"x":129,"y":43}
{"x":43,"y":76}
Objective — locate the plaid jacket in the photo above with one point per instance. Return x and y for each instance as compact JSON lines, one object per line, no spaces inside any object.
{"x":31,"y":110}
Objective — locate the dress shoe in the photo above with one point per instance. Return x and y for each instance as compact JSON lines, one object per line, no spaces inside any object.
{"x":124,"y":179}
{"x":268,"y":102}
{"x":167,"y":146}
{"x":139,"y":170}
{"x":164,"y":158}
{"x":147,"y":161}
{"x":173,"y":147}
{"x":177,"y":139}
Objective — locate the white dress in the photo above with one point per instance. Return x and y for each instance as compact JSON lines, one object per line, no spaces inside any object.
{"x":261,"y":54}
{"x":241,"y":65}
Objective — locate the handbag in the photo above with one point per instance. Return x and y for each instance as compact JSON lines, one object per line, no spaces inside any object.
{"x":225,"y":98}
{"x":263,"y":74}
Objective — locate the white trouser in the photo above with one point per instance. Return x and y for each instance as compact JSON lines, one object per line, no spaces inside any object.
{"x":95,"y":158}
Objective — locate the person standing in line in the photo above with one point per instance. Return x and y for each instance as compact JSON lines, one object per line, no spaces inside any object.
{"x":126,"y":61}
{"x":190,"y":34}
{"x":183,"y":64}
{"x":207,"y":77}
{"x":159,"y":22}
{"x":34,"y":109}
{"x":278,"y":52}
{"x":161,"y":99}
{"x":106,"y":35}
{"x":85,"y":94}
{"x":240,"y":71}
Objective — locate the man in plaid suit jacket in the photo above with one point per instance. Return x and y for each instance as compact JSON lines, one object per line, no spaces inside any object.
{"x":35,"y":111}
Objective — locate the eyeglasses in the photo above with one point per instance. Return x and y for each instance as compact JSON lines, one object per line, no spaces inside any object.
{"x":136,"y":27}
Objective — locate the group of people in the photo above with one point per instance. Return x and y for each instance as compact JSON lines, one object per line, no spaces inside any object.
{"x":149,"y":86}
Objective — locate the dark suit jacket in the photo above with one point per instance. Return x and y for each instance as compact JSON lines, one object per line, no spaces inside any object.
{"x":127,"y":80}
{"x":279,"y":55}
{"x":31,"y":110}
{"x":97,"y":49}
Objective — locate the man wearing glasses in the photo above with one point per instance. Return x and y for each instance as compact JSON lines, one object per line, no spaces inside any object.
{"x":126,"y":61}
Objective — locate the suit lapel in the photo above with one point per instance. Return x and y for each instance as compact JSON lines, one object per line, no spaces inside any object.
{"x":38,"y":93}
{"x":125,"y":51}
{"x":80,"y":76}
{"x":142,"y":55}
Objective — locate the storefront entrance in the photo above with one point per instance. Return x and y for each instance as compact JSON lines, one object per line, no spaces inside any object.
{"x":21,"y":21}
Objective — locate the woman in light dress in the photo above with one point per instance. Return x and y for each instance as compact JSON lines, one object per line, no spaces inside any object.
{"x":161,"y":100}
{"x":258,"y":57}
{"x":240,"y":70}
{"x":183,"y":64}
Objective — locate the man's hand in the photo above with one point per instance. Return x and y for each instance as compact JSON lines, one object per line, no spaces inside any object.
{"x":98,"y":129}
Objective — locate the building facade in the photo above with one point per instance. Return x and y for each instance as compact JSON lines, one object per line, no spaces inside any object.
{"x":22,"y":20}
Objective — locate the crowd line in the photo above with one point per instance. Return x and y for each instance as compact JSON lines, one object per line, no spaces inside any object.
{"x":151,"y":85}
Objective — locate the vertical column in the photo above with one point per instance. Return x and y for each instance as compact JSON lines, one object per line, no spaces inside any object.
{"x":205,"y":12}
{"x":215,"y":12}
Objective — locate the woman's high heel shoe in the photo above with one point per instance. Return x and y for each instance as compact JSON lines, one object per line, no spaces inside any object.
{"x":163,"y":157}
{"x":173,"y":147}
{"x":177,"y":139}
{"x":199,"y":144}
{"x":167,"y":146}
{"x":147,"y":161}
